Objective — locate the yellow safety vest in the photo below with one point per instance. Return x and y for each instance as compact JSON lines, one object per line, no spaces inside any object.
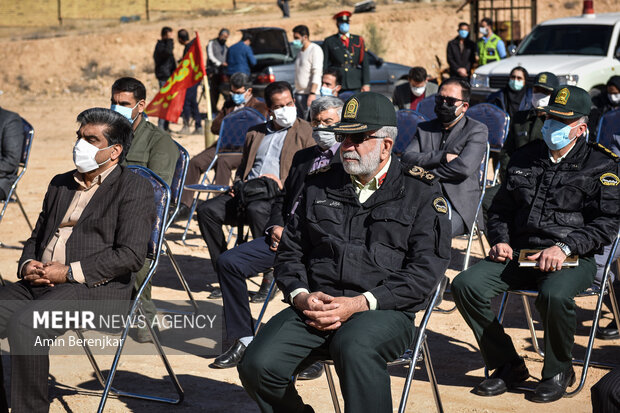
{"x":488,"y":51}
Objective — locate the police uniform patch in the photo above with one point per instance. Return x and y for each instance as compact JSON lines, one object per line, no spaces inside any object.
{"x":350,"y":111}
{"x":562,"y":96}
{"x":609,"y":179}
{"x":440,"y":205}
{"x":543,"y":78}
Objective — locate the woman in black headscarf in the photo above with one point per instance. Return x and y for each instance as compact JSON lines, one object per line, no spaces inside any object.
{"x":515,"y":96}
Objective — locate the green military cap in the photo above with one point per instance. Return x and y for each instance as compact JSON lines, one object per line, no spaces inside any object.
{"x":568,"y":102}
{"x":547,"y":80}
{"x":365,"y":111}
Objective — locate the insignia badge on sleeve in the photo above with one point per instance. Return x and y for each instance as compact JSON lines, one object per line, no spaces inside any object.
{"x":440,"y":204}
{"x":609,"y":179}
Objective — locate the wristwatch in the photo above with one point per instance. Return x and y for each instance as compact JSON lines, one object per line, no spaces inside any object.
{"x":70,"y":275}
{"x":565,"y":248}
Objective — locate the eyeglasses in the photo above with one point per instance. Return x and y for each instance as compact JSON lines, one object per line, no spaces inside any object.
{"x":448,"y":99}
{"x":355,"y":138}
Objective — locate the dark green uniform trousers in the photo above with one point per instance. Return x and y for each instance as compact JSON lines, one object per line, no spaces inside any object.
{"x":474,"y":288}
{"x":360,"y":349}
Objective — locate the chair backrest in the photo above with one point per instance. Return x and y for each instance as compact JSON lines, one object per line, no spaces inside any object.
{"x":497,"y":122}
{"x":162,"y":204}
{"x":178,"y":181}
{"x":28,"y":137}
{"x":345,"y":95}
{"x":608,"y":126}
{"x":427,"y":107}
{"x":235,"y":126}
{"x":407,"y":121}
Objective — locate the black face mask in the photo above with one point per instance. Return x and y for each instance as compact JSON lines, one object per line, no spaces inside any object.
{"x":446,"y":113}
{"x":221,"y":41}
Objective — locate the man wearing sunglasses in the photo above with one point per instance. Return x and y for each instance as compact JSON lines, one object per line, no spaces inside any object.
{"x":368,"y":243}
{"x":452,"y":147}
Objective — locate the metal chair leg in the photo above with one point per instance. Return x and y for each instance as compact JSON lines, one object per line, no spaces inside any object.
{"x":23,"y":211}
{"x":530,"y":324}
{"x":182,"y":279}
{"x":108,"y":382}
{"x":264,"y":307}
{"x":332,"y":387}
{"x":192,"y":210}
{"x":431,"y":376}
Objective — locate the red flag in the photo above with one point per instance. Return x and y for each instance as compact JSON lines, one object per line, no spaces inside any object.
{"x":168,"y":103}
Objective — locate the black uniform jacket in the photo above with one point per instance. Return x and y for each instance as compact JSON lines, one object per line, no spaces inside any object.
{"x":351,"y":61}
{"x":576,"y":201}
{"x":395,"y":245}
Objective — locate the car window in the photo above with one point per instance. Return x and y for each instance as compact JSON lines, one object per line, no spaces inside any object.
{"x":577,"y":39}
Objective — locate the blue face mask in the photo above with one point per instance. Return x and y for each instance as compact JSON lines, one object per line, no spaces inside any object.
{"x":298,"y":44}
{"x":555,"y":134}
{"x":516,"y":85}
{"x":463,"y":34}
{"x":325,"y":91}
{"x":238,"y":98}
{"x":343,"y":28}
{"x":125,"y":111}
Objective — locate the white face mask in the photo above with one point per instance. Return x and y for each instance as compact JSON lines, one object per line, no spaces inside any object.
{"x":540,"y":100}
{"x":324,"y":139}
{"x":285,"y":116}
{"x":614,"y":98}
{"x":84,"y":156}
{"x":417,"y":91}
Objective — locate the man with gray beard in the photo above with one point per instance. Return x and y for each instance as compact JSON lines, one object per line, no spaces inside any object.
{"x":368,"y":243}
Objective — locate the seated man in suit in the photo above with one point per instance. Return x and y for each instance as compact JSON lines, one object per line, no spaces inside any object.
{"x":11,"y":146}
{"x":257,"y":256}
{"x":408,"y":95}
{"x":241,"y":96}
{"x":560,"y":197}
{"x":452,"y":147}
{"x":92,"y":233}
{"x":366,"y":246}
{"x":267,"y":154}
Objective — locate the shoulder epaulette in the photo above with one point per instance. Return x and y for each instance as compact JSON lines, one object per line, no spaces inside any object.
{"x":320,"y":170}
{"x":422,"y":174}
{"x":605,"y":150}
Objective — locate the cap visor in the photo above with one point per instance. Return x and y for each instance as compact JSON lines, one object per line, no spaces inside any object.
{"x":560,"y":112}
{"x":546,"y":87}
{"x":351,"y":127}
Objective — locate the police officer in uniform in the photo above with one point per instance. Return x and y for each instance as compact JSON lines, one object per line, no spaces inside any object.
{"x":560,"y":197}
{"x":491,"y":47}
{"x":347,"y":52}
{"x":368,"y":243}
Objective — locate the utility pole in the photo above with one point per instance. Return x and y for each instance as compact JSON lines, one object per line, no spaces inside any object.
{"x":59,"y":13}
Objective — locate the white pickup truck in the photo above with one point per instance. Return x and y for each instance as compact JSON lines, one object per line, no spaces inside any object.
{"x":582,"y":51}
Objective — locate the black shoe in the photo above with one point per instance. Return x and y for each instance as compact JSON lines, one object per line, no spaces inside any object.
{"x":183,"y":213}
{"x":262,"y":292}
{"x":313,"y":372}
{"x":215,"y":294}
{"x":231,"y":357}
{"x":608,"y":333}
{"x":507,"y":376}
{"x":554,"y":388}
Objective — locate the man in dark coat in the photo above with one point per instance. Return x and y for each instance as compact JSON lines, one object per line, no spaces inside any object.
{"x":164,"y":64}
{"x":11,"y":146}
{"x":461,"y":53}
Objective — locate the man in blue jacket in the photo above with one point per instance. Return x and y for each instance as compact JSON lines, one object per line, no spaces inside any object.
{"x":240,"y":56}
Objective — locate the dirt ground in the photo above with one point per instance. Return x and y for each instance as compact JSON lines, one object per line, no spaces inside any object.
{"x":45,"y":81}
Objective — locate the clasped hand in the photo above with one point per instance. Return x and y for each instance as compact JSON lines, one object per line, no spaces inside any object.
{"x":549,"y":259}
{"x":327,"y":313}
{"x":51,"y":273}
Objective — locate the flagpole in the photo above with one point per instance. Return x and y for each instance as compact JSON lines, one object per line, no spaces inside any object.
{"x":209,"y":137}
